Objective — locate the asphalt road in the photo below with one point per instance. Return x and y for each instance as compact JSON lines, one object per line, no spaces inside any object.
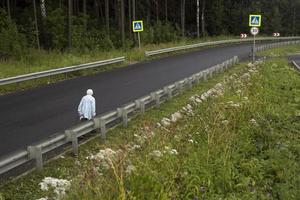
{"x":30,"y":116}
{"x":295,"y":58}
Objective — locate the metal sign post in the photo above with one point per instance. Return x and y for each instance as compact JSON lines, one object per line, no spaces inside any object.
{"x":254,"y":22}
{"x":253,"y":54}
{"x":254,"y":31}
{"x":137,"y":27}
{"x":139,"y":38}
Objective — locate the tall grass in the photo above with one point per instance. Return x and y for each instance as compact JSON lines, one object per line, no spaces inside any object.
{"x":248,"y":149}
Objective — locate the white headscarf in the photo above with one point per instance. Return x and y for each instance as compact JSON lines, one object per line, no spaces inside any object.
{"x":89,"y":92}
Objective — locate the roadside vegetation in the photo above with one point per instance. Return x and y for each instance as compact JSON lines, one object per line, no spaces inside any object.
{"x":281,"y":52}
{"x":235,"y":136}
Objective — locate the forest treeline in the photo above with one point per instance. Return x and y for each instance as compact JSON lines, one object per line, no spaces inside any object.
{"x":84,"y":25}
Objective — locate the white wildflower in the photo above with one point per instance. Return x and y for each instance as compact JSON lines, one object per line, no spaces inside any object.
{"x":177,"y":138}
{"x":173,"y":152}
{"x":198,"y":100}
{"x":253,"y":122}
{"x":44,"y":198}
{"x":232,"y":104}
{"x":59,"y":186}
{"x":130,"y":169}
{"x":238,"y":91}
{"x":105,"y":157}
{"x":156,"y":153}
{"x":166,"y":122}
{"x":167,"y":148}
{"x":135,"y":146}
{"x":189,"y":107}
{"x":225,"y":122}
{"x":250,"y":65}
{"x":191,"y":141}
{"x":176,"y":116}
{"x":246,"y":77}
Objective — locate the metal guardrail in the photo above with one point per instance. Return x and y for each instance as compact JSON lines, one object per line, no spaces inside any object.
{"x":296,"y":65}
{"x":52,"y":72}
{"x":275,"y":45}
{"x":37,"y":152}
{"x":186,"y":47}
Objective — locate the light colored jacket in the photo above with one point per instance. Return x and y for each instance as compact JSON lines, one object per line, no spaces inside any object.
{"x":87,"y":107}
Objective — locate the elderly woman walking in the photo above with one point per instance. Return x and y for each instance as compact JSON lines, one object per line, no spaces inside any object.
{"x":87,"y":106}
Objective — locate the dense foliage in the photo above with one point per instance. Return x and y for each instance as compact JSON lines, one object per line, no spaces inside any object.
{"x":106,"y":24}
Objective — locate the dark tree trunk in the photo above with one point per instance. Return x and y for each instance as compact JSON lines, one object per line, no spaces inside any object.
{"x":70,"y":13}
{"x":107,"y":15}
{"x":96,"y":8}
{"x":133,"y":10}
{"x":203,"y":18}
{"x":84,"y":15}
{"x":36,"y":25}
{"x":8,"y":8}
{"x":183,"y":17}
{"x":157,"y":11}
{"x":123,"y":22}
{"x":148,"y":12}
{"x":294,"y":21}
{"x":166,"y":10}
{"x":133,"y":17}
{"x":130,"y":18}
{"x":198,"y":18}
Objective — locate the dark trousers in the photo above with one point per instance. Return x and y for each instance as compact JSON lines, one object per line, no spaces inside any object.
{"x":83,"y":119}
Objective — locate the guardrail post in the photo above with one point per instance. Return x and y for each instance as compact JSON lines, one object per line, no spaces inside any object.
{"x":99,"y":123}
{"x":217,"y":69}
{"x":35,"y":152}
{"x":210,"y":71}
{"x":178,"y":86}
{"x":197,"y":79}
{"x":102,"y":128}
{"x":123,"y":113}
{"x":141,"y":105}
{"x":204,"y":75}
{"x":72,"y":137}
{"x":190,"y":82}
{"x":168,"y":91}
{"x":155,"y":96}
{"x":236,"y":59}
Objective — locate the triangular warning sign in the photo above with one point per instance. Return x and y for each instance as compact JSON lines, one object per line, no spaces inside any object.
{"x":255,"y":20}
{"x":137,"y":26}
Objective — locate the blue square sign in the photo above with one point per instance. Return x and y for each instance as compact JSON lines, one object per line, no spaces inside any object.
{"x":137,"y":26}
{"x":255,"y":20}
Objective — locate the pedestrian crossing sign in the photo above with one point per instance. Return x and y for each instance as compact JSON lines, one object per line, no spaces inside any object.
{"x":137,"y":26}
{"x":255,"y":20}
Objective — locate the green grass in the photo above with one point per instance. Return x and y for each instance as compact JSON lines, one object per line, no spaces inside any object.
{"x":230,"y":157}
{"x":283,"y":51}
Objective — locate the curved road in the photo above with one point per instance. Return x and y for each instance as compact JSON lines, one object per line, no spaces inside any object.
{"x":33,"y":115}
{"x":295,"y":58}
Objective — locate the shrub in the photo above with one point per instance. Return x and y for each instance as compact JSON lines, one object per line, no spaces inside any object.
{"x":12,"y":43}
